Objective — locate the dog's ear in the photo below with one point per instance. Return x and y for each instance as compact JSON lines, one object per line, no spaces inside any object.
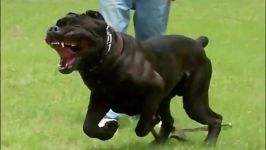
{"x":71,"y":14}
{"x":94,"y":14}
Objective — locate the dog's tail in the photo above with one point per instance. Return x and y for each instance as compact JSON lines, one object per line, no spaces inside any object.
{"x":203,"y":41}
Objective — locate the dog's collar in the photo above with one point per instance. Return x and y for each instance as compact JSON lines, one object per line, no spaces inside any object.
{"x":118,"y":47}
{"x":109,"y":40}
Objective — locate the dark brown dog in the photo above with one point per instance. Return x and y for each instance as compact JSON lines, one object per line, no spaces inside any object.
{"x":134,"y":77}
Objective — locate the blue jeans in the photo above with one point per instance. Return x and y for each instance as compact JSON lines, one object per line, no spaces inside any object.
{"x":150,"y":20}
{"x":150,"y":17}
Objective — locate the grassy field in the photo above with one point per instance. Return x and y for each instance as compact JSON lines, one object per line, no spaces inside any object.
{"x":42,"y":109}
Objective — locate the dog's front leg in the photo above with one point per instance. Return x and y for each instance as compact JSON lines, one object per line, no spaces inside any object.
{"x":149,"y":110}
{"x":96,"y":111}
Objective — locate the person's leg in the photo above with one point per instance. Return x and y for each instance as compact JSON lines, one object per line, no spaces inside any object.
{"x":116,"y":13}
{"x":113,"y":115}
{"x":150,"y":18}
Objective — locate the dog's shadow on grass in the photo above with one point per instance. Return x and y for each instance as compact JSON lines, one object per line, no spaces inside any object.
{"x":135,"y":145}
{"x":125,"y":146}
{"x":141,"y":145}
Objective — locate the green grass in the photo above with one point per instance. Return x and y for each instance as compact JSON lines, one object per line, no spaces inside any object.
{"x":42,"y":109}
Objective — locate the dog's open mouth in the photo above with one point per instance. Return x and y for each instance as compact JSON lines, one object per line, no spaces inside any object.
{"x":67,"y":51}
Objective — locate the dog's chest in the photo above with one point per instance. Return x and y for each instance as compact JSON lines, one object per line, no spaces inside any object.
{"x":124,"y":96}
{"x":127,"y":102}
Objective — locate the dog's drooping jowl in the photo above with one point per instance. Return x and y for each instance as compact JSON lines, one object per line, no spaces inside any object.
{"x":133,"y":77}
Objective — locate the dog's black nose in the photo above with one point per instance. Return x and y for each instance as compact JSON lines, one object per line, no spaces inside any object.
{"x":54,"y":29}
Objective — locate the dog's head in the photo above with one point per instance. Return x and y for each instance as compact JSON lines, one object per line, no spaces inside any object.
{"x":77,"y":38}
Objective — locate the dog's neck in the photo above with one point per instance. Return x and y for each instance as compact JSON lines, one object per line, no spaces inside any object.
{"x":114,"y":46}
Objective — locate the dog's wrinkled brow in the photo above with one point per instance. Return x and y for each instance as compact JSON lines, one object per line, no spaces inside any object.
{"x":69,"y":19}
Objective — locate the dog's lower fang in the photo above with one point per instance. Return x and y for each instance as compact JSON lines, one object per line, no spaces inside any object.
{"x":60,"y":66}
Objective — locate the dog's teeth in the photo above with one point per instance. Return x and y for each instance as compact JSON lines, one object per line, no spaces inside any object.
{"x":62,"y":44}
{"x":70,"y":44}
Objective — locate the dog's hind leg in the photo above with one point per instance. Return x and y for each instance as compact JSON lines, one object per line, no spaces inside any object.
{"x":196,"y":105}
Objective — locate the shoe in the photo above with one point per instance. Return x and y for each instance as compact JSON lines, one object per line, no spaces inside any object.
{"x":104,"y":120}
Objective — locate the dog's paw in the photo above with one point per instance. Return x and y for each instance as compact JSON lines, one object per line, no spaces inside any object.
{"x":111,"y":126}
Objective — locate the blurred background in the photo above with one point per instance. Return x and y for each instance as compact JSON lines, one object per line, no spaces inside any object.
{"x":42,"y":109}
